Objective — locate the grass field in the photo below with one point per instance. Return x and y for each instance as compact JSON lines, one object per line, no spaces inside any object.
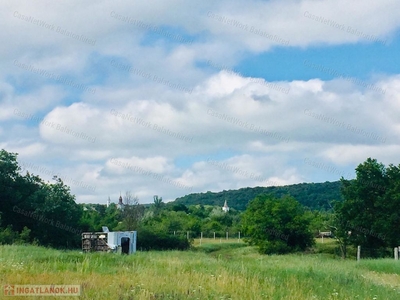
{"x":214,"y":270}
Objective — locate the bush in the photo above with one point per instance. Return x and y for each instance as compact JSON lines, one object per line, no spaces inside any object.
{"x":274,"y":247}
{"x":148,"y":239}
{"x":8,"y":236}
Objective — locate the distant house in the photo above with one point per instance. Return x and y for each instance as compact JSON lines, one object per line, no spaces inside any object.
{"x":325,"y":234}
{"x":225,"y":208}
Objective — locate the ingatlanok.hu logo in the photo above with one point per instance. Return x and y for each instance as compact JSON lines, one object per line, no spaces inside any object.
{"x":42,"y":290}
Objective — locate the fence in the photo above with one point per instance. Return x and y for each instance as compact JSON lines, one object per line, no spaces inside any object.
{"x":396,"y":252}
{"x":214,"y":235}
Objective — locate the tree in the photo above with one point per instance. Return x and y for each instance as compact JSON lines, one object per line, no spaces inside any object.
{"x":37,"y":210}
{"x":111,"y":217}
{"x":158,"y":204}
{"x":15,"y":190}
{"x":180,"y":207}
{"x":132,"y":212}
{"x":57,"y":217}
{"x":319,"y":221}
{"x":370,"y":211}
{"x":276,"y":225}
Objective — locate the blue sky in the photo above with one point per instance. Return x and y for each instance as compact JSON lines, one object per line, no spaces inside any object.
{"x":175,"y":97}
{"x":363,"y":61}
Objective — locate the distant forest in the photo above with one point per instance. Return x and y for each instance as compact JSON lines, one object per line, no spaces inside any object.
{"x":315,"y":196}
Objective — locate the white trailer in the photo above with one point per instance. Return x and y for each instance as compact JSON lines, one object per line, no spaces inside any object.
{"x":122,"y":241}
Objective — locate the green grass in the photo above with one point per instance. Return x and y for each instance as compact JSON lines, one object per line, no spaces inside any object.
{"x":209,"y":271}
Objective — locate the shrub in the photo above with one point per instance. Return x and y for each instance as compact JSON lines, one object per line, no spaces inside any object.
{"x":148,"y":239}
{"x":8,"y":236}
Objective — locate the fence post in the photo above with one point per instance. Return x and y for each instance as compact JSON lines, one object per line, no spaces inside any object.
{"x":187,"y":235}
{"x":227,"y":235}
{"x":239,"y":237}
{"x":396,"y":253}
{"x":201,"y":237}
{"x":214,"y":235}
{"x":358,"y":253}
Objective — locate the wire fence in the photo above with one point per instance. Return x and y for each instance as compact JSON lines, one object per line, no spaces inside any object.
{"x":211,"y":236}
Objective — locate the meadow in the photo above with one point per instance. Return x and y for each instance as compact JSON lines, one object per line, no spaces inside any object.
{"x":213,"y":270}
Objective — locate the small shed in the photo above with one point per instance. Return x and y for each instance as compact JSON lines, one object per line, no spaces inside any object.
{"x":124,"y":241}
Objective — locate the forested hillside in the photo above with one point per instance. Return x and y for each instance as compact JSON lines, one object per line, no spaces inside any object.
{"x":312,"y":195}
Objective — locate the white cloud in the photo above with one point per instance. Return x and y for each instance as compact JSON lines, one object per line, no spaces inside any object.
{"x":354,"y":154}
{"x":168,"y":114}
{"x":156,"y":165}
{"x":275,"y":146}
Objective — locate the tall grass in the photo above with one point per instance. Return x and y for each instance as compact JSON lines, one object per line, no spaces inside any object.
{"x":210,"y":271}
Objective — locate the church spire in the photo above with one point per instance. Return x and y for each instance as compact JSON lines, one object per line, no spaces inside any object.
{"x":226,"y":207}
{"x":120,"y":203}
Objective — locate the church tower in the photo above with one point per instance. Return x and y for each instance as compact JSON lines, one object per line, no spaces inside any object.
{"x":225,"y":208}
{"x":120,"y":203}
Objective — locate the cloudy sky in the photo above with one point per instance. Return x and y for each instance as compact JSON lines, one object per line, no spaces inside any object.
{"x":175,"y":97}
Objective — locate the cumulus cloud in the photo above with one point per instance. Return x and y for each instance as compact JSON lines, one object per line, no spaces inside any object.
{"x":117,"y":96}
{"x":96,"y":133}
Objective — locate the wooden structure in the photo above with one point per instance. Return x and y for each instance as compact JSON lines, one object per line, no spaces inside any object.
{"x":94,"y":241}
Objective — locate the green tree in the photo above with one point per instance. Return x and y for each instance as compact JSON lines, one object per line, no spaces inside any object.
{"x":132,"y":213}
{"x":180,"y":207}
{"x":8,"y":236}
{"x":276,"y":225}
{"x":319,"y":221}
{"x":340,"y":232}
{"x":27,"y":203}
{"x":16,"y":191}
{"x":57,"y":217}
{"x":369,"y":216}
{"x":90,"y":219}
{"x":211,"y":226}
{"x":158,"y":204}
{"x":111,"y":217}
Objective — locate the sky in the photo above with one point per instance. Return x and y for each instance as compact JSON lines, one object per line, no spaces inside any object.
{"x":172,"y":97}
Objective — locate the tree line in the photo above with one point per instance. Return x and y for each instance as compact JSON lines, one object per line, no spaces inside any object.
{"x":314,"y":196}
{"x":44,"y":213}
{"x":366,"y":213}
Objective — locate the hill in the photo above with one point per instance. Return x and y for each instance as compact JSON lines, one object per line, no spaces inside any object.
{"x":316,"y":196}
